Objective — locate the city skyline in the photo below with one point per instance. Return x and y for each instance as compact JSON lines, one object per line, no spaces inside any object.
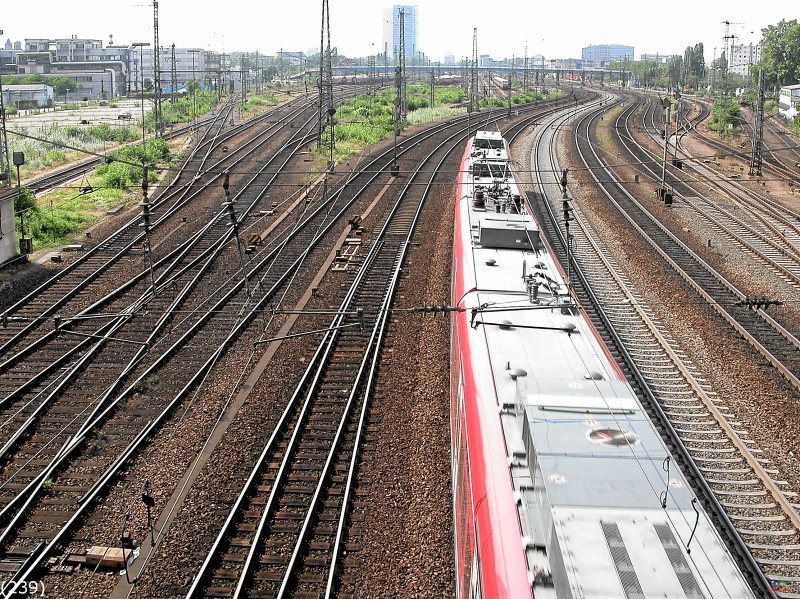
{"x":357,"y":30}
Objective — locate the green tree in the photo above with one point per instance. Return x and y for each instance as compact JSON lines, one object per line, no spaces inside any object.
{"x":675,"y":72}
{"x":694,"y":66}
{"x":34,"y":79}
{"x":724,"y":116}
{"x":780,"y":53}
{"x":192,"y":86}
{"x":62,"y":86}
{"x":25,"y":201}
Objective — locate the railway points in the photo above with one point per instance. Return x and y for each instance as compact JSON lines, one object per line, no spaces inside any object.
{"x":207,"y":322}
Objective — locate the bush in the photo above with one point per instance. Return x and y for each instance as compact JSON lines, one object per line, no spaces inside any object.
{"x":25,"y":200}
{"x":450,"y":95}
{"x":114,"y":134}
{"x":11,"y":110}
{"x":54,"y":157}
{"x":123,"y":172}
{"x":723,"y":114}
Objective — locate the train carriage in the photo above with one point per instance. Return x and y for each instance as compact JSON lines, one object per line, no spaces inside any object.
{"x":562,"y":487}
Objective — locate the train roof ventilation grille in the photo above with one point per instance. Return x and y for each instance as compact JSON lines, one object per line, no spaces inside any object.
{"x":622,"y":561}
{"x":682,"y":570}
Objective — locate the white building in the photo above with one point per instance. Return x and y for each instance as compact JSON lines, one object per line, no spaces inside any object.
{"x":789,"y":101}
{"x":28,"y":96}
{"x":8,"y":238}
{"x":743,"y":57}
{"x":604,"y":54}
{"x":190,"y":63}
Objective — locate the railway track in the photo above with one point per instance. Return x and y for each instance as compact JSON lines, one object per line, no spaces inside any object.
{"x":77,"y":420}
{"x":778,"y":345}
{"x":269,"y":546}
{"x":759,"y":225}
{"x":759,"y":514}
{"x":75,"y":406}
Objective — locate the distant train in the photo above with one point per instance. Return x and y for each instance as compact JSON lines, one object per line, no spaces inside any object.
{"x":501,"y":82}
{"x":562,"y":487}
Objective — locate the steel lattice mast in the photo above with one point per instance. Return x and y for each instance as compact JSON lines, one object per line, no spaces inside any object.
{"x":758,"y":129}
{"x":157,"y":68}
{"x":402,"y":57}
{"x":473,"y":85}
{"x":325,"y":71}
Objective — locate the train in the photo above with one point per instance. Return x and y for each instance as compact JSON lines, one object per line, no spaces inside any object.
{"x":501,"y":82}
{"x":562,"y":487}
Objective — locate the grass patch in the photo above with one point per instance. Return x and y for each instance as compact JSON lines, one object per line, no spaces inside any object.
{"x":725,"y":118}
{"x":367,"y":120}
{"x":184,"y":110}
{"x":52,"y":145}
{"x":255,"y":102}
{"x":56,"y":218}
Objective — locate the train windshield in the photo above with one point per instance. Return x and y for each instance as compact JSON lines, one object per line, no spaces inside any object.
{"x":495,"y":170}
{"x":488,"y":144}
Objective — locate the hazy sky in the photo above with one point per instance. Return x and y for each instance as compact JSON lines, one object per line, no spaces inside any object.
{"x":552,"y":28}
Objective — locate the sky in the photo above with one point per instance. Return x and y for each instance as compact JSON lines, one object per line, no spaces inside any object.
{"x":504,"y":29}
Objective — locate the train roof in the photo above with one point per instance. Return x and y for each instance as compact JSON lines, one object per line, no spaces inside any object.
{"x":602,"y":507}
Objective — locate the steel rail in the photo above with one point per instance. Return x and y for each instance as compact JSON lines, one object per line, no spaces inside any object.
{"x":629,"y":363}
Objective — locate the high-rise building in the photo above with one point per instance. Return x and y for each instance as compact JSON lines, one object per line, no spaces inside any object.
{"x":743,"y":57}
{"x":604,"y":54}
{"x":391,"y":31}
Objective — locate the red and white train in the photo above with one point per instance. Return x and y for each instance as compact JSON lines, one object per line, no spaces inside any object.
{"x":560,"y":481}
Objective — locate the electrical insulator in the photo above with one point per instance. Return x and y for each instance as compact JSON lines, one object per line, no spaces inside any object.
{"x":567,"y":209}
{"x":146,"y":214}
{"x":228,"y":204}
{"x":144,"y":180}
{"x":533,"y":290}
{"x":564,"y":180}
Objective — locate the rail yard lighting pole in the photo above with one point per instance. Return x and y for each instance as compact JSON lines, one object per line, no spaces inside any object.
{"x":5,"y":167}
{"x":141,"y":45}
{"x":111,"y":82}
{"x":194,"y":87}
{"x":331,"y":112}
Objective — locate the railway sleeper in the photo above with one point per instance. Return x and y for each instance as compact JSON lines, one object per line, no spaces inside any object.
{"x":314,"y":562}
{"x":711,"y":450}
{"x":219,"y":592}
{"x":286,"y":528}
{"x":777,"y":518}
{"x":741,"y":493}
{"x":774,"y":547}
{"x":768,"y":533}
{"x":268,"y":576}
{"x":748,"y":506}
{"x":226,"y":574}
{"x":274,"y":559}
{"x":778,"y":562}
{"x":720,"y":481}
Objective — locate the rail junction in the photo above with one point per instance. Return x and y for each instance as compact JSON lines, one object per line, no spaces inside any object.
{"x":210,"y":385}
